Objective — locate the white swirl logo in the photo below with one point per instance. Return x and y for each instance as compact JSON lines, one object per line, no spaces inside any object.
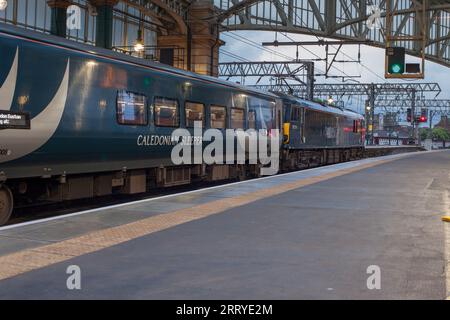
{"x":374,"y":20}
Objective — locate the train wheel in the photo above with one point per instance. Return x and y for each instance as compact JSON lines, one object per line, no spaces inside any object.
{"x":6,"y":204}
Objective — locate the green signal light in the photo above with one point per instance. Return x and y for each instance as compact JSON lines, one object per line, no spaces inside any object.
{"x":396,"y":68}
{"x":395,"y":58}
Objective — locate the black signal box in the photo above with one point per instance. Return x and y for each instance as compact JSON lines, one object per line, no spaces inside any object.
{"x":395,"y":60}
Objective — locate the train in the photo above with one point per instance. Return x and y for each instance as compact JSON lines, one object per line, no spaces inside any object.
{"x":77,"y":121}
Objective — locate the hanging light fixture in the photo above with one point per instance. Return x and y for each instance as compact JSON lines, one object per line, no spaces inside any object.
{"x":139,"y":46}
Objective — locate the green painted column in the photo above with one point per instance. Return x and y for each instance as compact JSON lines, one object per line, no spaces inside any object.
{"x":58,"y":17}
{"x":104,"y":22}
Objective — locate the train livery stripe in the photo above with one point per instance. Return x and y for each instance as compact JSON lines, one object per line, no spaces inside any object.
{"x":31,"y":259}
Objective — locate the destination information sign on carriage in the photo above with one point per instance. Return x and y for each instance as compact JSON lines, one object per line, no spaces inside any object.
{"x":14,"y":120}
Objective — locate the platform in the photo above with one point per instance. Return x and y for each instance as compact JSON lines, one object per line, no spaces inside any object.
{"x":377,"y":150}
{"x":310,"y":234}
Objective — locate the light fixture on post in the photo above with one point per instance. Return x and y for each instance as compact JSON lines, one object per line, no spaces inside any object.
{"x":330,"y":100}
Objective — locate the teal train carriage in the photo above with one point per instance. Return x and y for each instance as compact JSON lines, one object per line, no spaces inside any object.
{"x":81,"y":122}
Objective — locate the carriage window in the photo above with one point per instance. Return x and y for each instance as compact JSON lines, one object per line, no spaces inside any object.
{"x":194,"y":112}
{"x":265,"y":112}
{"x":237,"y":118}
{"x":251,"y":119}
{"x":218,"y":117}
{"x":166,"y":112}
{"x":240,"y":101}
{"x":131,"y":108}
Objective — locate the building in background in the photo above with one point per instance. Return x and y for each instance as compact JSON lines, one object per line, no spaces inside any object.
{"x":390,"y":131}
{"x":177,"y":33}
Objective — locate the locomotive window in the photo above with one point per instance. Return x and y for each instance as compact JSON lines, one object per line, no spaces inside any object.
{"x":237,"y":118}
{"x":166,"y":112}
{"x":295,"y":114}
{"x":194,"y":112}
{"x":218,"y":117}
{"x":251,"y":119}
{"x":131,"y":108}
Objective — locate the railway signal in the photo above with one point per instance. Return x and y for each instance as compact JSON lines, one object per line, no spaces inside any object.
{"x":396,"y":67}
{"x":423,"y":115}
{"x":395,"y":60}
{"x":409,"y":115}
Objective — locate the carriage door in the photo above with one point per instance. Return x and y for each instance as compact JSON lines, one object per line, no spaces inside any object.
{"x":296,"y":126}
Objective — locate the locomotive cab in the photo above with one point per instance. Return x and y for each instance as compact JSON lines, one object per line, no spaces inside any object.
{"x":293,"y":126}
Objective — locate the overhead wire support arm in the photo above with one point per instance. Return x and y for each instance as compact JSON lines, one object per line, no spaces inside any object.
{"x":301,"y":71}
{"x":361,"y":89}
{"x":315,"y":43}
{"x":326,"y":43}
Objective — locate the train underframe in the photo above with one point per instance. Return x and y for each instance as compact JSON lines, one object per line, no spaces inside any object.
{"x":83,"y":186}
{"x":295,"y":159}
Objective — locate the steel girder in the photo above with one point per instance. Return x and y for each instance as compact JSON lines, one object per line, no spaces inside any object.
{"x":346,"y":89}
{"x":441,"y":105}
{"x":342,"y":19}
{"x":287,"y":69}
{"x":300,"y":71}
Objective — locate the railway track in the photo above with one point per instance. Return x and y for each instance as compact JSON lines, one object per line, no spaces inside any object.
{"x":28,"y":213}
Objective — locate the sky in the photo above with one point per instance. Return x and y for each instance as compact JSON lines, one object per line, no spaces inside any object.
{"x":371,"y":68}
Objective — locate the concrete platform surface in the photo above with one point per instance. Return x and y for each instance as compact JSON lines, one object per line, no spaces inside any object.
{"x":306,"y":235}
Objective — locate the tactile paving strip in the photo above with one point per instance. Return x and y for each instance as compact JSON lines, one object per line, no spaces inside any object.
{"x":30,"y":259}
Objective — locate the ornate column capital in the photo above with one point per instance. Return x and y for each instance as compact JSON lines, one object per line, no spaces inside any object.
{"x":59,"y":3}
{"x":98,"y":3}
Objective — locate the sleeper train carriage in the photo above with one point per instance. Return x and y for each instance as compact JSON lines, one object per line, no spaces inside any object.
{"x":80,"y":122}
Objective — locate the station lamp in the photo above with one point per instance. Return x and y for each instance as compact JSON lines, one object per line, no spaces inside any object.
{"x":395,"y":60}
{"x":330,"y":100}
{"x":367,"y":105}
{"x":139,"y":46}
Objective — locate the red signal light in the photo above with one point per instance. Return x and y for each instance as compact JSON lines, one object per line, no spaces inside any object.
{"x":423,"y":115}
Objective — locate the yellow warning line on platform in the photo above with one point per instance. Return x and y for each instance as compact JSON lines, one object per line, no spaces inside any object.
{"x":446,"y":204}
{"x":31,"y":259}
